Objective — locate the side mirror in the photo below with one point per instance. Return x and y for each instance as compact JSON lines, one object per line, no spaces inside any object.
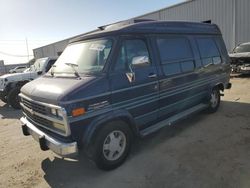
{"x":140,"y":61}
{"x":39,"y":72}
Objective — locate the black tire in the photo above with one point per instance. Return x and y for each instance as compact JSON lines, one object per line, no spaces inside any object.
{"x":214,"y":101}
{"x":100,"y":154}
{"x":4,"y":99}
{"x":13,"y":99}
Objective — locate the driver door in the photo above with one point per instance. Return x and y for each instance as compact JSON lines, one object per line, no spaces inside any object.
{"x":138,"y":96}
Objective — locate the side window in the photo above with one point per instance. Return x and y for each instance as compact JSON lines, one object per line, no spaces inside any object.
{"x":129,"y":49}
{"x":176,"y":55}
{"x":208,"y":51}
{"x":49,"y":65}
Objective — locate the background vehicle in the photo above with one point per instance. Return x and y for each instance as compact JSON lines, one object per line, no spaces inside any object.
{"x":241,"y":58}
{"x":123,"y":81}
{"x":18,"y":69}
{"x":10,"y":84}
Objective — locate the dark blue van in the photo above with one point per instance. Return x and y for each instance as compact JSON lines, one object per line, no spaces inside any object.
{"x":122,"y":81}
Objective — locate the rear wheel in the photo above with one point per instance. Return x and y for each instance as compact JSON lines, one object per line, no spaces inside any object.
{"x":214,"y":102}
{"x":13,"y":99}
{"x":112,"y":145}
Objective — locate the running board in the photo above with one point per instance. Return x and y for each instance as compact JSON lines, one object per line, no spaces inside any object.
{"x":173,"y":119}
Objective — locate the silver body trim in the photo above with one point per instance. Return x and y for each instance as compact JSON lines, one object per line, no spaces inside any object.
{"x":58,"y":147}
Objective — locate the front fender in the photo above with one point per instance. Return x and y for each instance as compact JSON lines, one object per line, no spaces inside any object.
{"x":11,"y":85}
{"x":100,"y":121}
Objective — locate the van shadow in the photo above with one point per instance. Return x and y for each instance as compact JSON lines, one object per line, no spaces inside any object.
{"x":7,"y":112}
{"x":65,"y":173}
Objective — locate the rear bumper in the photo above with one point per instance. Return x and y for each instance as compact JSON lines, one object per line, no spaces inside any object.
{"x":47,"y":142}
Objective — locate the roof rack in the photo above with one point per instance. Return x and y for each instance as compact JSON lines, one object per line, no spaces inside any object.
{"x":123,"y":23}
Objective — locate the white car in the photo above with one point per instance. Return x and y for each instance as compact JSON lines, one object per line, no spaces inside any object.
{"x":241,"y":58}
{"x":17,"y":69}
{"x":10,"y":84}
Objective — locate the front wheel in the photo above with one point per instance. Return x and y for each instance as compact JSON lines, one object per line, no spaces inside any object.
{"x":4,"y":99}
{"x":214,"y":102}
{"x":112,"y":145}
{"x":13,"y":99}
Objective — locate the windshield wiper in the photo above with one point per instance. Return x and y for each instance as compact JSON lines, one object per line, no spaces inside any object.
{"x":72,"y":65}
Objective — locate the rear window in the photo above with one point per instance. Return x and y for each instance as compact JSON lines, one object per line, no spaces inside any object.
{"x":208,"y":51}
{"x":176,"y":55}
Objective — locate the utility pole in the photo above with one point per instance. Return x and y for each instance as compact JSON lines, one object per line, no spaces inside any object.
{"x":27,"y":48}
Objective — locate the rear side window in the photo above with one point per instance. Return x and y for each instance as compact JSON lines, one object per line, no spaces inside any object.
{"x":208,"y":51}
{"x":176,"y":55}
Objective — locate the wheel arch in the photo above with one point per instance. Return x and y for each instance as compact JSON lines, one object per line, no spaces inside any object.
{"x":11,"y":85}
{"x":220,"y":86}
{"x":99,"y":122}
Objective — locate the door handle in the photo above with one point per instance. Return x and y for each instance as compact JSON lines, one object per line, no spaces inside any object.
{"x":152,"y":75}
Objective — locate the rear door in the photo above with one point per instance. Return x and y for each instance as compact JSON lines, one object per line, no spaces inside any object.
{"x":179,"y":83}
{"x":211,"y":60}
{"x":140,"y":96}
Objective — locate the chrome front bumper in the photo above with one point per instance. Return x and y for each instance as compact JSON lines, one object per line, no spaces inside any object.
{"x":47,"y":142}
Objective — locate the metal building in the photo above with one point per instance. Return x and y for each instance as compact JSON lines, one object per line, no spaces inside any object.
{"x":232,"y":16}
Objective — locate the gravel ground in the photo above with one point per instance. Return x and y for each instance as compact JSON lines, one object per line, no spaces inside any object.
{"x":202,"y":151}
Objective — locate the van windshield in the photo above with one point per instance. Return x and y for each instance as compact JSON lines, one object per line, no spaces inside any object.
{"x":83,"y":57}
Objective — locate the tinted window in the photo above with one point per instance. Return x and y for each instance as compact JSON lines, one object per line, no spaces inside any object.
{"x":176,"y":55}
{"x":208,"y":48}
{"x":172,"y":49}
{"x":129,"y":50}
{"x":208,"y":51}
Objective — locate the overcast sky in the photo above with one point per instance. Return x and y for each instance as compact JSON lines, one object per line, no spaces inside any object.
{"x":46,"y":21}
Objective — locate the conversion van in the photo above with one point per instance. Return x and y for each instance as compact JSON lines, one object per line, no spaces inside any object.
{"x":123,"y":81}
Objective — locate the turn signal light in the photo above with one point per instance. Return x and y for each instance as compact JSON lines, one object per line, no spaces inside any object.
{"x":78,"y":112}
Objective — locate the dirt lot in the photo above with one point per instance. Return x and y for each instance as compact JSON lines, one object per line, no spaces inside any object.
{"x":202,"y":151}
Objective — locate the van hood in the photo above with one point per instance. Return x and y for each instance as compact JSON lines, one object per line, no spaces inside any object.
{"x":52,"y":90}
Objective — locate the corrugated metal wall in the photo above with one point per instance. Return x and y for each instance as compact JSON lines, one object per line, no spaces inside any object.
{"x":51,"y":50}
{"x":242,"y":21}
{"x":232,"y":16}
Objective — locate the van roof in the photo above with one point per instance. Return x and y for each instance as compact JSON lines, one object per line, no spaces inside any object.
{"x":151,"y":27}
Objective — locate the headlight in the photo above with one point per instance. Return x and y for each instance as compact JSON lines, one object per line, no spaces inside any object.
{"x":56,"y":112}
{"x":53,"y":111}
{"x":59,"y":113}
{"x":58,"y":126}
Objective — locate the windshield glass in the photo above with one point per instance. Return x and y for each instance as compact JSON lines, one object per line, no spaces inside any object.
{"x":86,"y":57}
{"x":242,"y":48}
{"x":38,"y":65}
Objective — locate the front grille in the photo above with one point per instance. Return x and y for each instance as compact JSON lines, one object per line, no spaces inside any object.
{"x":34,"y":106}
{"x":32,"y":110}
{"x":40,"y":121}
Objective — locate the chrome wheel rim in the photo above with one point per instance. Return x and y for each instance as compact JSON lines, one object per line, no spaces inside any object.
{"x":114,"y":145}
{"x":214,"y":99}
